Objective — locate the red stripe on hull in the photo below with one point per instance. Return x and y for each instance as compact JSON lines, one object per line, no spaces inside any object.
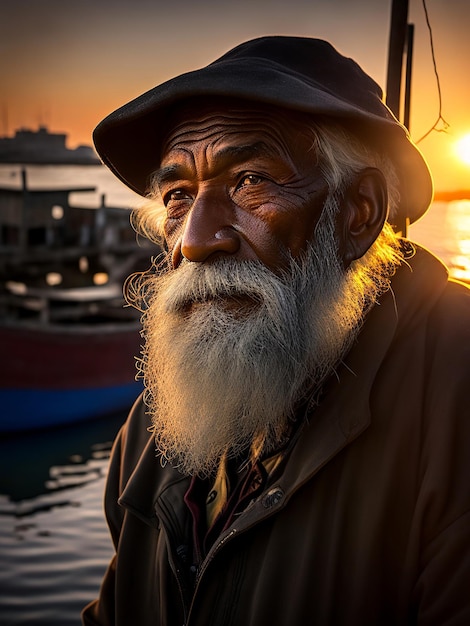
{"x":67,"y":359}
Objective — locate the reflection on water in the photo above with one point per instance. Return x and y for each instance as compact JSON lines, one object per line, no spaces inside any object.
{"x":31,"y":463}
{"x":445,"y":230}
{"x":54,"y":543}
{"x":458,"y":218}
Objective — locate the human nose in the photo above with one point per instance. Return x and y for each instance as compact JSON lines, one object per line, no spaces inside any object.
{"x":207,"y":230}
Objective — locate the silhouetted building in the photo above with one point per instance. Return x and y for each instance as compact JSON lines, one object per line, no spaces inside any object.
{"x":41,"y":146}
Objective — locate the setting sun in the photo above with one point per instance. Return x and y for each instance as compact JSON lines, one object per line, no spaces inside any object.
{"x":463,"y":148}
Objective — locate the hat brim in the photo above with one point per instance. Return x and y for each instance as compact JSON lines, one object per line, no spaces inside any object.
{"x":128,"y":140}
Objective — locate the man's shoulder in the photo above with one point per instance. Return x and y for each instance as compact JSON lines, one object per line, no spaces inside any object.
{"x":449,"y":319}
{"x":425,"y":283}
{"x":441,"y":308}
{"x":457,"y":292}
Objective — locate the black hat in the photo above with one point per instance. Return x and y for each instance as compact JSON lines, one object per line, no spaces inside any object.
{"x":295,"y":73}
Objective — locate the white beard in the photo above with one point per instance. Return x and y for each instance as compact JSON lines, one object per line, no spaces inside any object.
{"x":231,"y":348}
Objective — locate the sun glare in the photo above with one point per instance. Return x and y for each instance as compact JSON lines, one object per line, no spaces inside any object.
{"x":463,"y":148}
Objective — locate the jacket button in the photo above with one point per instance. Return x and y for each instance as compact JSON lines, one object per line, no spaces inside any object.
{"x":272,"y":497}
{"x":211,"y":497}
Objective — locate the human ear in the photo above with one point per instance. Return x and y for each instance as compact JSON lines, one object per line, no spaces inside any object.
{"x":363,"y":214}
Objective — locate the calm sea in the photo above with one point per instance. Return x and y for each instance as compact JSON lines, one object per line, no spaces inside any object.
{"x":54,"y":545}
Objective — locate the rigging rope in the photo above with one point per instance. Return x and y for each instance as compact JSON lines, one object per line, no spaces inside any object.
{"x":440,"y":118}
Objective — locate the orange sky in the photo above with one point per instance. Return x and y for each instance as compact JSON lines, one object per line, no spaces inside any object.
{"x":68,"y":63}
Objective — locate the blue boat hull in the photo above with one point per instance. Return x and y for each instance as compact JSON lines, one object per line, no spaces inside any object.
{"x":28,"y":409}
{"x":54,"y":375}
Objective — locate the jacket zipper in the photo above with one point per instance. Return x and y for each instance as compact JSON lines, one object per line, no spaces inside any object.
{"x":210,"y":557}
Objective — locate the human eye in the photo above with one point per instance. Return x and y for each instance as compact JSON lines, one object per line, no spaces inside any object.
{"x":175,"y":195}
{"x":176,"y":201}
{"x":249,"y":180}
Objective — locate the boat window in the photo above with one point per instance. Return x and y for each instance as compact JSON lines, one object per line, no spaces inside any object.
{"x":83,"y":264}
{"x":53,"y":279}
{"x":57,"y":212}
{"x":100,"y":278}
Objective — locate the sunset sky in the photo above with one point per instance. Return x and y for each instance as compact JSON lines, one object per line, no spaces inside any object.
{"x":68,"y":63}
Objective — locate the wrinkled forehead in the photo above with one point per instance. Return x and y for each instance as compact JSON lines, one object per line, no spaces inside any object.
{"x":233,"y":121}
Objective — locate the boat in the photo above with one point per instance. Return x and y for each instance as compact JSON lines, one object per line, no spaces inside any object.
{"x":68,"y":343}
{"x":43,"y":147}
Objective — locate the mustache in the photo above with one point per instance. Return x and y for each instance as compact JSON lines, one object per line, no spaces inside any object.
{"x":224,"y":279}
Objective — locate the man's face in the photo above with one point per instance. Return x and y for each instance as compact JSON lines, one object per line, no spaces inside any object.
{"x":242,"y":183}
{"x":256,"y":307}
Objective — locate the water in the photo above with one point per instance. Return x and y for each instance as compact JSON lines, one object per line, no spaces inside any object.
{"x":445,"y":231}
{"x":41,"y":176}
{"x":54,"y":544}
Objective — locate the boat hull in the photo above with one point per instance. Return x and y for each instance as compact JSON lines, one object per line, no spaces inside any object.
{"x":28,"y":409}
{"x":51,"y":376}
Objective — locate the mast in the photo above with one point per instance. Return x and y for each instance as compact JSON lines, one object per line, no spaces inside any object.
{"x":400,"y":42}
{"x":396,"y":50}
{"x":409,"y":61}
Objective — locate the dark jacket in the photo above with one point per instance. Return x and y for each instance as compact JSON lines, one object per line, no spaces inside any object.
{"x":368,"y":523}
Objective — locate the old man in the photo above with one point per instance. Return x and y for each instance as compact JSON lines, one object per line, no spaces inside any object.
{"x":301,"y":452}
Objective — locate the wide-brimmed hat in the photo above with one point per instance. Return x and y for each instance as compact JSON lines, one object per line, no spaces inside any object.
{"x":296,"y":73}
